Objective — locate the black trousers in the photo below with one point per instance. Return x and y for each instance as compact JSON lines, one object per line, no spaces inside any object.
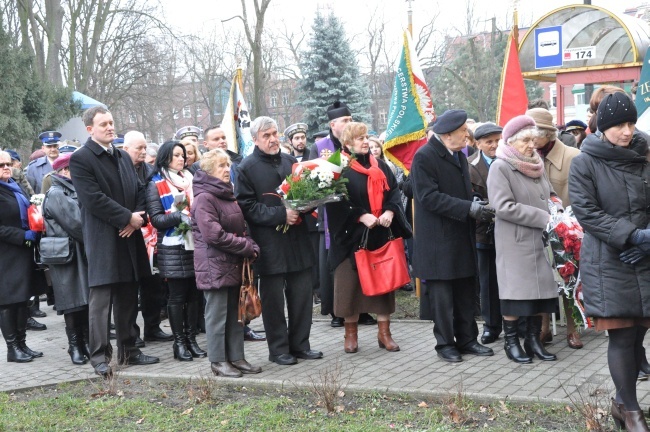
{"x":452,"y":308}
{"x":124,"y":299}
{"x":326,"y":279}
{"x":487,"y":278}
{"x":150,"y":303}
{"x":283,"y":337}
{"x":314,"y":238}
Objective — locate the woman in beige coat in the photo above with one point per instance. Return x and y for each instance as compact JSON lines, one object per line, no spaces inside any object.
{"x":519,"y":191}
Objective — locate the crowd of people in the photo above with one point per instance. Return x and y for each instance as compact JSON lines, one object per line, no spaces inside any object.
{"x":171,"y":229}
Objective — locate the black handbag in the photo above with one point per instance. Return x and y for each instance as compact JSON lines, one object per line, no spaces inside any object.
{"x":55,"y":250}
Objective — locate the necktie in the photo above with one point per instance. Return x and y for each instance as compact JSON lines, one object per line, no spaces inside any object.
{"x":109,"y":149}
{"x":456,"y":157}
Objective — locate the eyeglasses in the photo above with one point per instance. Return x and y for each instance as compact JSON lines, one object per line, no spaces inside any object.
{"x":5,"y":164}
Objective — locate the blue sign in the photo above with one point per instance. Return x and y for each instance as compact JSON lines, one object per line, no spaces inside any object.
{"x":548,"y":47}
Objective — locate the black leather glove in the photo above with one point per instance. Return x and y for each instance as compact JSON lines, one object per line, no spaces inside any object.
{"x":480,"y":211}
{"x":641,"y":239}
{"x":632,"y":255}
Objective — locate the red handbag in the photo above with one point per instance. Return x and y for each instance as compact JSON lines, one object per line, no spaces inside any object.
{"x":383,"y":270}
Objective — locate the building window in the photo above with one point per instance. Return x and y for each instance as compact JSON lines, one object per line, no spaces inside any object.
{"x":175,"y":114}
{"x":132,"y":118}
{"x":199,"y":111}
{"x":159,"y":115}
{"x":553,"y":92}
{"x":274,"y":99}
{"x":579,"y":99}
{"x":285,"y":98}
{"x":382,"y":117}
{"x":187,"y":113}
{"x":161,"y":137}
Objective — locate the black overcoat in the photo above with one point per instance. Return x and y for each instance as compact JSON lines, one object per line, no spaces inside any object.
{"x":610,"y":196}
{"x":109,"y":191}
{"x":19,"y":277}
{"x":258,"y":177}
{"x":444,"y":236}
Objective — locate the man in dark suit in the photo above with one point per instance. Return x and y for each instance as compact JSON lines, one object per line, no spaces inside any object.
{"x":444,"y":241}
{"x":112,"y":204}
{"x":487,"y":136}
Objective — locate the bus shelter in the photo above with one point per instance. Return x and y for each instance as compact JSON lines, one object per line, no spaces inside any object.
{"x":583,"y":44}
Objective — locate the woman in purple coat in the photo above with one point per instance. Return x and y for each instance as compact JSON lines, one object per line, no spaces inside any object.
{"x":220,"y":245}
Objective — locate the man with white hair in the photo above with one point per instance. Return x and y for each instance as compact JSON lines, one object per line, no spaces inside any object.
{"x":135,"y":144}
{"x":285,"y":261}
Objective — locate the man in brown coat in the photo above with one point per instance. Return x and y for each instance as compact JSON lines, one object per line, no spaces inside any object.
{"x":557,"y":162}
{"x":487,"y":137}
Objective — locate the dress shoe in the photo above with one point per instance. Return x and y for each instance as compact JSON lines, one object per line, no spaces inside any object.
{"x":366,"y":319}
{"x":139,"y":343}
{"x":642,"y":376}
{"x":225,"y":369}
{"x":307,"y":354}
{"x":32,"y":324}
{"x":157,"y":335}
{"x":408,"y":288}
{"x":251,"y":336}
{"x":140,"y":360}
{"x":317,"y":298}
{"x":476,"y":348}
{"x":37,"y":313}
{"x":489,"y":337}
{"x":103,"y":370}
{"x":450,"y":354}
{"x":337,"y":322}
{"x":283,"y":359}
{"x":246,"y":367}
{"x":573,"y":339}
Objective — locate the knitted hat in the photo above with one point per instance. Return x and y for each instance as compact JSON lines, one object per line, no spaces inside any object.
{"x":543,"y":118}
{"x":515,"y":125}
{"x":615,"y":109}
{"x":449,"y":121}
{"x":61,"y":162}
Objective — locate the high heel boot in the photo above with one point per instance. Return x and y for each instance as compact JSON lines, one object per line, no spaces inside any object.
{"x":384,"y":337}
{"x":511,"y":343}
{"x":618,"y":414}
{"x":22,"y":314}
{"x":8,"y":328}
{"x":351,"y":344}
{"x":635,"y":421}
{"x":175,"y":312}
{"x":76,"y":355}
{"x":532,"y":343}
{"x":191,"y":316}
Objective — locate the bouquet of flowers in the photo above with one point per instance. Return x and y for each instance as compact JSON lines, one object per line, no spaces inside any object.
{"x":184,"y":229}
{"x":313,"y":183}
{"x":35,"y":213}
{"x":564,"y":235}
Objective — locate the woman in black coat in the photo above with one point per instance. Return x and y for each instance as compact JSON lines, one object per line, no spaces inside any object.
{"x":17,"y":266}
{"x":69,"y":280}
{"x":169,"y":200}
{"x":348,"y":220}
{"x":608,"y":186}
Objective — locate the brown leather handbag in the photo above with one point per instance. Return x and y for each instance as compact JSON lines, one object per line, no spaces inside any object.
{"x":250,"y":306}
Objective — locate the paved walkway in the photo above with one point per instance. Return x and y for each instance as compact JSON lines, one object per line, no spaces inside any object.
{"x":415,"y":369}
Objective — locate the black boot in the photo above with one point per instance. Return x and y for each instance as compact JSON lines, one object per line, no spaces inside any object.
{"x":191,"y":315}
{"x":175,"y":313}
{"x":532,"y":344}
{"x":21,"y":332}
{"x":9,"y":332}
{"x":76,"y":355}
{"x":511,"y":345}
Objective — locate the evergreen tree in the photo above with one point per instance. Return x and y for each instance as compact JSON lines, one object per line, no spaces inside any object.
{"x":27,"y":105}
{"x":330,"y":73}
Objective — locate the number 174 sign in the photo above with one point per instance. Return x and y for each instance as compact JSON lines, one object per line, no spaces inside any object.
{"x":577,"y":54}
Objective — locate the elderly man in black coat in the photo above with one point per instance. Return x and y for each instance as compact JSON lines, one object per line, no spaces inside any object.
{"x":112,"y":211}
{"x":444,"y":242}
{"x":286,"y":258}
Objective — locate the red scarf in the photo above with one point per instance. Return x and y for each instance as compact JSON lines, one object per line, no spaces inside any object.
{"x":377,"y":183}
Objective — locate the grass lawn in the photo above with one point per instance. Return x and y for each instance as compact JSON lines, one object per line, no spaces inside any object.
{"x":208,"y":405}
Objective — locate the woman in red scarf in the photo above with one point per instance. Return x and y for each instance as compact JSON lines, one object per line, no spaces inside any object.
{"x":373,"y":202}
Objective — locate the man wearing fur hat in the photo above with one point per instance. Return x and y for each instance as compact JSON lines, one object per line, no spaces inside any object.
{"x":444,"y":244}
{"x":557,"y":158}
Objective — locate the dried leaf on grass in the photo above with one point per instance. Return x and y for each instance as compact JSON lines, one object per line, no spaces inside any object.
{"x":140,"y":421}
{"x":423,"y":404}
{"x":504,"y":408}
{"x":187,"y":411}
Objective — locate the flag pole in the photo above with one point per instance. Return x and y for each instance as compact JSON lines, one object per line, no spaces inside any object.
{"x":418,"y":283}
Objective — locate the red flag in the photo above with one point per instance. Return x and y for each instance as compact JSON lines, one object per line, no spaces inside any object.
{"x":513,"y":100}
